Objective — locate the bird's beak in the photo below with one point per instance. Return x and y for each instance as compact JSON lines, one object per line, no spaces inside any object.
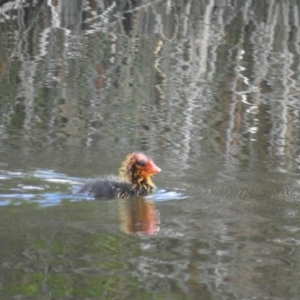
{"x":152,"y":168}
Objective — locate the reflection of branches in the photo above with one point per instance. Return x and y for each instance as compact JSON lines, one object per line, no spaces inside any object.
{"x":160,"y":74}
{"x":185,"y":72}
{"x":104,"y":15}
{"x":143,"y":6}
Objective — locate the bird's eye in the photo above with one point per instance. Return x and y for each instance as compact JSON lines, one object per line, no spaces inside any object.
{"x":141,"y":163}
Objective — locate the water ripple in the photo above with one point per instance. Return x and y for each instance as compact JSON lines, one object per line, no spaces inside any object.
{"x":249,"y":185}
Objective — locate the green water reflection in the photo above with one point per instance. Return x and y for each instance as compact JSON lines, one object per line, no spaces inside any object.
{"x":72,"y":249}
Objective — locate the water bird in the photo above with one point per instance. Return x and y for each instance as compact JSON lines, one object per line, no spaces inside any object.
{"x":134,"y":179}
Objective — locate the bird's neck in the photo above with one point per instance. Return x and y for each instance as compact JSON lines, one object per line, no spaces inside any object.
{"x":143,"y":187}
{"x":140,"y":182}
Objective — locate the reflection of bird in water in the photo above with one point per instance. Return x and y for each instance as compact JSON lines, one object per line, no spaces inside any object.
{"x":139,"y":216}
{"x":134,"y":180}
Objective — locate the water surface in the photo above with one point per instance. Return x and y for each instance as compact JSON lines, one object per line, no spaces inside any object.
{"x":209,"y":89}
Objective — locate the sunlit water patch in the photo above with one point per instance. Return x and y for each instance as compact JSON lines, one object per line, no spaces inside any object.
{"x":44,"y":187}
{"x":163,"y":195}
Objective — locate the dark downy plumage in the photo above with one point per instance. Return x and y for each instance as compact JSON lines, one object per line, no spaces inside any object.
{"x":134,"y":180}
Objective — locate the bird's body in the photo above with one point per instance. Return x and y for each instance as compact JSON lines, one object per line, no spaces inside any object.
{"x":133,"y":180}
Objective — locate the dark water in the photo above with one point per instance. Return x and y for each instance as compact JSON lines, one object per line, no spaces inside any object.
{"x":209,"y":89}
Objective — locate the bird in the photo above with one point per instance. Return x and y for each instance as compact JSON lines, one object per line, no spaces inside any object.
{"x":134,"y":179}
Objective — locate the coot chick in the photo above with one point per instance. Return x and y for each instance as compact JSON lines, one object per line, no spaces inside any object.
{"x":134,"y":180}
